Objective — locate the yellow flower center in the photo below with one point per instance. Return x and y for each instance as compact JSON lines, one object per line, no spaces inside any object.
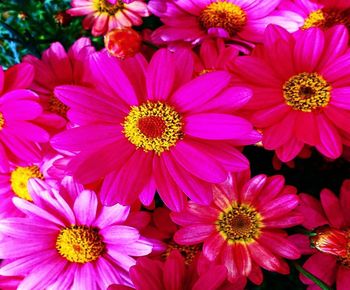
{"x":188,"y":252}
{"x":153,"y":127}
{"x":80,"y":244}
{"x":239,"y":223}
{"x":103,"y":6}
{"x":19,"y":180}
{"x":327,"y":17}
{"x":223,"y":14}
{"x":2,"y":121}
{"x":57,"y":107}
{"x":307,"y":92}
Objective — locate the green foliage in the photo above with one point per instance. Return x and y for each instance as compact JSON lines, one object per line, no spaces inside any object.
{"x":29,"y":27}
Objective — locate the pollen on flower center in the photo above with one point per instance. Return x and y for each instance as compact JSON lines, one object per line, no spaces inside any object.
{"x":188,"y":252}
{"x":57,"y":107}
{"x":153,"y":126}
{"x":307,"y":92}
{"x":2,"y":121}
{"x":239,"y":223}
{"x":327,"y":17}
{"x":223,"y":14}
{"x":20,"y":177}
{"x":103,"y":6}
{"x":80,"y":244}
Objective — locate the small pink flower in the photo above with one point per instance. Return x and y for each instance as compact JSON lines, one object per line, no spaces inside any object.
{"x":192,"y":21}
{"x":62,"y":244}
{"x":57,"y":67}
{"x":301,"y":92}
{"x":330,"y":219}
{"x":151,"y":126}
{"x":19,"y":108}
{"x":105,"y":15}
{"x":242,"y":228}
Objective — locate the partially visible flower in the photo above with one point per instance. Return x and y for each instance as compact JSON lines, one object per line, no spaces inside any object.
{"x":58,"y":67}
{"x":242,"y":228}
{"x":145,"y":123}
{"x":329,"y":218}
{"x":123,"y":42}
{"x":319,"y":13}
{"x":63,"y":244}
{"x":104,"y":15}
{"x":301,"y":94}
{"x":15,"y":182}
{"x":174,"y":274}
{"x":193,"y":21}
{"x":20,"y":138}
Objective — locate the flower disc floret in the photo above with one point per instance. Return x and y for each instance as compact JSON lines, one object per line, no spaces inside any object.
{"x":103,"y":6}
{"x":2,"y":121}
{"x":307,"y":92}
{"x":239,"y":223}
{"x":20,"y":177}
{"x":223,"y":14}
{"x":153,"y":126}
{"x":80,"y":244}
{"x":327,"y":17}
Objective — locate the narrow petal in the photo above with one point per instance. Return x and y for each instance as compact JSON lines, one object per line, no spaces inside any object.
{"x":85,"y":207}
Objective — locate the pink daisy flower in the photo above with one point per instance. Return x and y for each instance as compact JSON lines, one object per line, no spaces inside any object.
{"x":330,"y":219}
{"x":105,"y":15}
{"x":19,"y":107}
{"x":57,"y":67}
{"x":194,"y":20}
{"x":146,"y":124}
{"x":301,"y":94}
{"x":322,"y":13}
{"x":16,"y":183}
{"x":242,"y":228}
{"x":59,"y":245}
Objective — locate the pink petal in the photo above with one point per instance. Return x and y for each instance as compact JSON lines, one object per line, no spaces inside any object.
{"x":263,"y":257}
{"x":195,"y":234}
{"x":213,"y":246}
{"x":216,"y":126}
{"x":343,"y":278}
{"x":160,"y":75}
{"x":201,"y":89}
{"x":332,"y":208}
{"x":19,"y":76}
{"x":85,"y":207}
{"x":205,"y":167}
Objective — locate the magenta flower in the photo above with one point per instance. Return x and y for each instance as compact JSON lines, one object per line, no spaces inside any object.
{"x":194,"y":20}
{"x":330,"y":219}
{"x":19,"y":107}
{"x":301,"y":94}
{"x":149,"y":127}
{"x":57,"y":67}
{"x":242,"y":228}
{"x":105,"y":15}
{"x":59,"y":245}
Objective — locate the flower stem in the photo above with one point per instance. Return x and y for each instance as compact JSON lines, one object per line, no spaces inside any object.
{"x":313,"y":278}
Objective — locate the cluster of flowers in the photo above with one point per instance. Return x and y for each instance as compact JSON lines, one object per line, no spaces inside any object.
{"x":88,"y":137}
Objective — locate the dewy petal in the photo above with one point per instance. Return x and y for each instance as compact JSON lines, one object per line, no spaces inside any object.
{"x":161,"y":75}
{"x":213,"y":126}
{"x":200,"y":90}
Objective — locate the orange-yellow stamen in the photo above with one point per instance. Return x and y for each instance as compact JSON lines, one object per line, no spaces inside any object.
{"x":239,"y":223}
{"x":223,"y":14}
{"x":20,"y":177}
{"x":80,"y":244}
{"x":104,"y":6}
{"x":57,"y":107}
{"x":307,"y":92}
{"x":153,"y":126}
{"x":327,"y":17}
{"x":2,"y":121}
{"x":188,"y":252}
